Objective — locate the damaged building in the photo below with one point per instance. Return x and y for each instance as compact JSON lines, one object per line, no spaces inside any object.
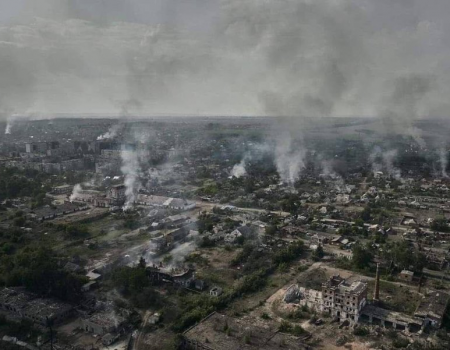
{"x":18,"y":304}
{"x":339,"y":298}
{"x":431,"y":309}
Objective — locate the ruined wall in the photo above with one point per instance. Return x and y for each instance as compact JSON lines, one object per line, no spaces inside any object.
{"x":311,"y":298}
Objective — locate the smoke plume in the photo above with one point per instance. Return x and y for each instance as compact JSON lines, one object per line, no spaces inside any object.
{"x":239,"y":169}
{"x":388,"y":161}
{"x":8,"y":127}
{"x":443,"y":161}
{"x":130,"y":169}
{"x":383,"y":160}
{"x":289,"y":158}
{"x":111,"y":133}
{"x":75,"y":192}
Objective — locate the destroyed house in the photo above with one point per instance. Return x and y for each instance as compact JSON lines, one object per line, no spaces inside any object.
{"x":16,"y":303}
{"x":164,"y":202}
{"x":117,"y":192}
{"x":431,"y":309}
{"x":176,"y":220}
{"x":156,"y":201}
{"x":102,"y":323}
{"x":64,"y":189}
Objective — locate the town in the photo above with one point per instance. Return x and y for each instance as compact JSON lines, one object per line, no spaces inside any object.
{"x":223,"y":233}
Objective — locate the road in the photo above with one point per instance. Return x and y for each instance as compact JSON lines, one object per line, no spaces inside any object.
{"x":138,"y":337}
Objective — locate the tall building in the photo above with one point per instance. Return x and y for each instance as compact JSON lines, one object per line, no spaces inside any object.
{"x":344,"y":300}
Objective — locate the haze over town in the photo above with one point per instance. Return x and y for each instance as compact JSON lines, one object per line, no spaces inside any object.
{"x":224,"y":174}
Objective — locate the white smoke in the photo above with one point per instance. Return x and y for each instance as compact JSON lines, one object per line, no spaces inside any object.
{"x":288,"y":160}
{"x":110,"y":134}
{"x":181,"y":251}
{"x":374,"y":159}
{"x":384,"y":161}
{"x":239,"y":169}
{"x":388,"y":161}
{"x":75,"y":192}
{"x":10,"y":123}
{"x":178,"y":254}
{"x":130,"y":169}
{"x":328,"y":174}
{"x":327,"y":169}
{"x":8,"y":128}
{"x":443,"y":161}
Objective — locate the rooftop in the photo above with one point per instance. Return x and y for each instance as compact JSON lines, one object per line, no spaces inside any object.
{"x":433,"y":305}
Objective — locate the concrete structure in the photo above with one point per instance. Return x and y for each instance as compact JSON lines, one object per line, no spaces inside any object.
{"x":431,"y":309}
{"x":311,"y":298}
{"x":406,"y":275}
{"x":49,"y":213}
{"x":389,"y":319}
{"x":18,"y":304}
{"x":337,"y":297}
{"x":117,"y":195}
{"x":216,"y":291}
{"x":342,"y":300}
{"x":164,"y":202}
{"x":64,"y":189}
{"x":102,"y":323}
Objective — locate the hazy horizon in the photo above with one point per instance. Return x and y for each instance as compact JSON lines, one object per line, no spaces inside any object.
{"x":247,"y":57}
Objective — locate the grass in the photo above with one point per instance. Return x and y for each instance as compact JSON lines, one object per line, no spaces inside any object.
{"x":396,"y":297}
{"x":107,"y":228}
{"x":313,"y":279}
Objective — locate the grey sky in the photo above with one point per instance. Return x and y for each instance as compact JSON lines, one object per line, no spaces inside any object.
{"x":225,"y":57}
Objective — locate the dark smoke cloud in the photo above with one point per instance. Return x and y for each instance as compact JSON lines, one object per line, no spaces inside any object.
{"x":236,"y":57}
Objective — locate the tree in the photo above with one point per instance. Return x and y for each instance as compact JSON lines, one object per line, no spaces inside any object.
{"x":19,"y":221}
{"x":271,"y":230}
{"x":318,"y":254}
{"x":36,"y":268}
{"x":206,"y":242}
{"x":366,"y":214}
{"x":288,"y":254}
{"x":130,"y":281}
{"x":77,"y":230}
{"x":406,"y":257}
{"x":359,"y":222}
{"x":440,"y":224}
{"x":362,"y":257}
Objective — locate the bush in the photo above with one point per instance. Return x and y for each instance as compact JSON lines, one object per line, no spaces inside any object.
{"x":400,"y":343}
{"x":19,"y":221}
{"x":288,"y":254}
{"x":361,"y":331}
{"x":77,"y":230}
{"x":253,"y":282}
{"x":206,"y":242}
{"x":341,"y":341}
{"x":286,"y":327}
{"x":265,"y":316}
